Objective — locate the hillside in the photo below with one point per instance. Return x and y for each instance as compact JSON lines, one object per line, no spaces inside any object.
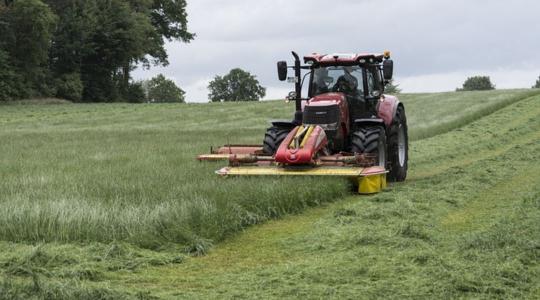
{"x":104,"y":200}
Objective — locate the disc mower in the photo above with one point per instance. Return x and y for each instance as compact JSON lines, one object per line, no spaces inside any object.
{"x":346,"y":126}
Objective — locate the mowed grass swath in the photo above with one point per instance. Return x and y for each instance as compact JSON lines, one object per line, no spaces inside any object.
{"x":127,"y":172}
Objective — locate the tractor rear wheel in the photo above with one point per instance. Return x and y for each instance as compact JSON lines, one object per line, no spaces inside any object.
{"x":370,"y":140}
{"x":273,"y":138}
{"x":398,"y":147}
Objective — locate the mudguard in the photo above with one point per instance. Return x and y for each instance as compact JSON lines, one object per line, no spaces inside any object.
{"x":283,"y":124}
{"x":387,"y":108}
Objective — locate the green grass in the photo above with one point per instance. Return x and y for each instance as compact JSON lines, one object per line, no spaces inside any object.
{"x":89,"y":192}
{"x":125,"y":172}
{"x":465,"y":225}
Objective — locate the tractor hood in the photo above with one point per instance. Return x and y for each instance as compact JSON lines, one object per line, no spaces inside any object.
{"x":326,"y":104}
{"x":325,"y":100}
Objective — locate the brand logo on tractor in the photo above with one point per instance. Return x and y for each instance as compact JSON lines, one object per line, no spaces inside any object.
{"x":321,"y":112}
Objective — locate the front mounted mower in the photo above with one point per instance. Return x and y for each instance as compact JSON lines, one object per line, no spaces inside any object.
{"x":346,"y":126}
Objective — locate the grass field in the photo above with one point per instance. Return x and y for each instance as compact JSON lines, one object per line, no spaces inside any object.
{"x":106,"y":200}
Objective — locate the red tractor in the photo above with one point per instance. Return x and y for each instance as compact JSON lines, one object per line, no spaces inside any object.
{"x":346,"y":126}
{"x":346,"y":99}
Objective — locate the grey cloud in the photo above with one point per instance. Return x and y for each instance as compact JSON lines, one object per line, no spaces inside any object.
{"x":426,"y":37}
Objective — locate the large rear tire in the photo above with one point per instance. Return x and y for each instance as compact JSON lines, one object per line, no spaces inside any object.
{"x":398,"y":147}
{"x":370,"y":140}
{"x":273,"y":138}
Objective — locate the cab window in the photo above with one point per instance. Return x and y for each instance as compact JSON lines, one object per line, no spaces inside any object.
{"x":374,"y":83}
{"x":330,"y":79}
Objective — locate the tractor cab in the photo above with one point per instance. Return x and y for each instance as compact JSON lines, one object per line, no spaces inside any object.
{"x":361,"y":80}
{"x":342,"y":89}
{"x":348,"y":81}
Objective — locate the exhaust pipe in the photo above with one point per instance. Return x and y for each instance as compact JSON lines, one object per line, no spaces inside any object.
{"x":282,"y":74}
{"x":298,"y":88}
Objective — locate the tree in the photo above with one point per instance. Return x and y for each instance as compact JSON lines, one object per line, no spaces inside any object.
{"x":118,"y":39}
{"x":392,"y":88}
{"x":161,"y":89}
{"x":93,"y":43}
{"x":69,"y":86}
{"x":477,"y":83}
{"x":9,"y":80}
{"x":124,"y":34}
{"x":27,"y":30}
{"x":136,"y":93}
{"x":169,"y":19}
{"x":238,"y":85}
{"x":537,"y":84}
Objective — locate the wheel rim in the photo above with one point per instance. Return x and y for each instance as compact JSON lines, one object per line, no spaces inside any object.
{"x":401,"y":145}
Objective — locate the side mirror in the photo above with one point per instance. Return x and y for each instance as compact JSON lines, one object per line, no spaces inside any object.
{"x":282,"y":70}
{"x":388,"y":69}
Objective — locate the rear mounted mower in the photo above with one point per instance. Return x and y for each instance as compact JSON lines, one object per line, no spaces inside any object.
{"x":346,"y":127}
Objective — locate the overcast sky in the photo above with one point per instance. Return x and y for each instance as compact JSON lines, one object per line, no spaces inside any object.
{"x":435,"y":44}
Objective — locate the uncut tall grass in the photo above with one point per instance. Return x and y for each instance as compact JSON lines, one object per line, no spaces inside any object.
{"x":128,"y":172}
{"x":124,"y":172}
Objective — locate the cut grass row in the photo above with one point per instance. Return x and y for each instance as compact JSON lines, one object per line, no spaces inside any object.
{"x":465,"y":225}
{"x":433,"y":114}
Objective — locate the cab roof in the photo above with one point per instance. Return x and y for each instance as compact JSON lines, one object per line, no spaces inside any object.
{"x":345,"y":58}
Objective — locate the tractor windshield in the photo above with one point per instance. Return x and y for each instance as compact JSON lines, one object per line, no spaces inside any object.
{"x":346,"y":79}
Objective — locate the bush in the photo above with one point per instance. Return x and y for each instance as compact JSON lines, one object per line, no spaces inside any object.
{"x":9,"y":89}
{"x":477,"y":83}
{"x":161,"y":89}
{"x":537,"y":84}
{"x":135,"y":93}
{"x":69,"y":86}
{"x":238,"y":85}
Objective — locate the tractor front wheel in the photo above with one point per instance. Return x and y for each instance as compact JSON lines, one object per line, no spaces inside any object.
{"x":371,"y":141}
{"x":273,"y":138}
{"x":398,"y":147}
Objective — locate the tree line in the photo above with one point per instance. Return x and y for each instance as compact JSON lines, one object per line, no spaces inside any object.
{"x":237,"y":85}
{"x":483,"y":83}
{"x":84,"y":50}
